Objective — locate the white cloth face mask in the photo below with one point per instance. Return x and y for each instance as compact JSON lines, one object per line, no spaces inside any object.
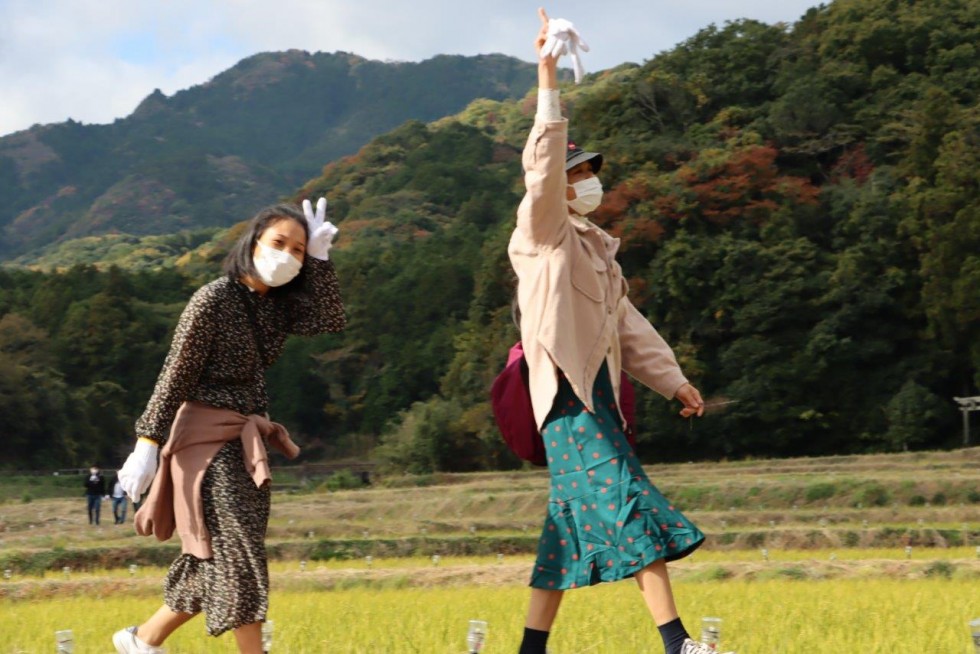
{"x":275,"y":267}
{"x":588,"y":195}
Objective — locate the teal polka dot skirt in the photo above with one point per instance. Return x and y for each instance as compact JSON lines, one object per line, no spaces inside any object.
{"x":605,"y":519}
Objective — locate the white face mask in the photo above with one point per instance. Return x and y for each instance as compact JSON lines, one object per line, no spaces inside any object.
{"x":275,"y":267}
{"x":588,"y":195}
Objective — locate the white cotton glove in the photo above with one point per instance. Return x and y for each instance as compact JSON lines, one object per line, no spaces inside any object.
{"x":321,"y":233}
{"x":137,"y":473}
{"x":563,"y":38}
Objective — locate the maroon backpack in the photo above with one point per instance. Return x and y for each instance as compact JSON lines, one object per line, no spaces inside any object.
{"x":510,"y":398}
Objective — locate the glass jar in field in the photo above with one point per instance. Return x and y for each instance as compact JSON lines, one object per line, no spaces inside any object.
{"x":267,"y":628}
{"x":65,"y":641}
{"x":711,"y":632}
{"x":476,"y":636}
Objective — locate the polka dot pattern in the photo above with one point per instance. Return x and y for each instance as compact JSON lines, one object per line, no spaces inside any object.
{"x":605,"y":518}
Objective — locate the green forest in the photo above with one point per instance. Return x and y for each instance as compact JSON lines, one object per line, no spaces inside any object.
{"x":799,"y":210}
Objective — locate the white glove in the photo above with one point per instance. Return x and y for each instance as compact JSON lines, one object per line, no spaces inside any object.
{"x":137,"y":473}
{"x":321,"y":233}
{"x":563,"y":38}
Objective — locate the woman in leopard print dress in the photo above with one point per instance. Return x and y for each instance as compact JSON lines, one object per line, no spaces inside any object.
{"x":279,"y":281}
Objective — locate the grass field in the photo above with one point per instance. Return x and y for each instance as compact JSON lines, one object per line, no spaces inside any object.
{"x":835,"y":576}
{"x":882,"y":616}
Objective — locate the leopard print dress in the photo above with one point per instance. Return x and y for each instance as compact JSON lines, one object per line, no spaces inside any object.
{"x":232,"y":588}
{"x":225,"y":339}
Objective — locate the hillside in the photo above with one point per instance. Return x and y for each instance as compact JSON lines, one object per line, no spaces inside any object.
{"x":210,"y":155}
{"x":926,"y":499}
{"x":839,"y":544}
{"x":799,"y":215}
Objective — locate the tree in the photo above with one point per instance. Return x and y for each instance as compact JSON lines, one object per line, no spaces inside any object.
{"x":913,"y":414}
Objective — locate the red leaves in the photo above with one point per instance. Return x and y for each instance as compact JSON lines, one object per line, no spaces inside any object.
{"x":719,"y":187}
{"x":615,"y":216}
{"x":855,"y":164}
{"x":744,"y":186}
{"x":617,"y":200}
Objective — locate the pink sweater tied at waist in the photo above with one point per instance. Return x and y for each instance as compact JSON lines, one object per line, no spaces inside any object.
{"x":198,"y":432}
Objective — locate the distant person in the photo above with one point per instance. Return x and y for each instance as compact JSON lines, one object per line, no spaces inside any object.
{"x":94,"y":493}
{"x":213,"y":483}
{"x":119,"y":502}
{"x":605,"y":520}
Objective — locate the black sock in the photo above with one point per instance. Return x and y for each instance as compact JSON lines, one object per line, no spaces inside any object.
{"x":534,"y":641}
{"x":674,"y":635}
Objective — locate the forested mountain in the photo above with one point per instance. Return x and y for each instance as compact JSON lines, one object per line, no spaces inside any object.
{"x":799,"y":209}
{"x":208,"y":156}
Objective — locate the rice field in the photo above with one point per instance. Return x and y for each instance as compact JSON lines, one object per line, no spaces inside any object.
{"x":877,"y":616}
{"x":877,"y":554}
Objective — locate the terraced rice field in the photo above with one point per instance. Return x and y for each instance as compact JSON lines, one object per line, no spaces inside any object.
{"x":873,"y":554}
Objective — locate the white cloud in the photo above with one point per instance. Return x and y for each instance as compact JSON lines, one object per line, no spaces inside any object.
{"x":94,"y":60}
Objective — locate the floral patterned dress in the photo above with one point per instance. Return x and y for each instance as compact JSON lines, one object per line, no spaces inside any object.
{"x":605,"y":519}
{"x":226,"y":338}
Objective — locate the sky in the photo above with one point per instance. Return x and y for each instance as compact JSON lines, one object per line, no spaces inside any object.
{"x":95,"y":60}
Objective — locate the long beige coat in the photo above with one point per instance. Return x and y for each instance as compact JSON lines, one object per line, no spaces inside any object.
{"x":575,"y":313}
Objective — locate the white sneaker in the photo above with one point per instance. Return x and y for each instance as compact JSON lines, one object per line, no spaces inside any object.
{"x":126,"y":642}
{"x":694,"y":647}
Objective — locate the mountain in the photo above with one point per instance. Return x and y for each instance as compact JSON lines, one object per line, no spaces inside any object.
{"x":798,"y":211}
{"x":211,"y":155}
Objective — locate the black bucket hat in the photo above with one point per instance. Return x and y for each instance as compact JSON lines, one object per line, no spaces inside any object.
{"x":576,"y":155}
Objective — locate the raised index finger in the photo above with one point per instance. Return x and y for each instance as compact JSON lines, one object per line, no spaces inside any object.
{"x":321,"y":211}
{"x":543,"y":16}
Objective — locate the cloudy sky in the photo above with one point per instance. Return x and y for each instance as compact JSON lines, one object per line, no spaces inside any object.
{"x":94,"y":60}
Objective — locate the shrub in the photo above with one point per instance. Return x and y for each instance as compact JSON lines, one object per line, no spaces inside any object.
{"x":726,"y":538}
{"x":820,"y":491}
{"x":875,"y":495}
{"x":942,"y":569}
{"x":342,"y":480}
{"x":917,"y":500}
{"x":691,"y":495}
{"x":795,"y":572}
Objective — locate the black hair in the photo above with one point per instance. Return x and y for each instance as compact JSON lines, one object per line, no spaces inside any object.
{"x":238,"y":263}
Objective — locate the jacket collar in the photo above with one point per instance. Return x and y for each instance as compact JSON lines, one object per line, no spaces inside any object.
{"x":585,"y":226}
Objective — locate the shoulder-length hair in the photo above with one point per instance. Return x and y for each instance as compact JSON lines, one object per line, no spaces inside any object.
{"x":239,"y":263}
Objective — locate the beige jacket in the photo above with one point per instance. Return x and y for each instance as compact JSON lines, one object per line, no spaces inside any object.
{"x":574,"y":310}
{"x":197,"y":434}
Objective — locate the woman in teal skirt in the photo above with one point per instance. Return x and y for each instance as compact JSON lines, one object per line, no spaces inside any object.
{"x":605,"y":520}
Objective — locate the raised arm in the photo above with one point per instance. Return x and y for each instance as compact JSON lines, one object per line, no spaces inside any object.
{"x":543,"y":213}
{"x":547,"y":64}
{"x":316,"y":308}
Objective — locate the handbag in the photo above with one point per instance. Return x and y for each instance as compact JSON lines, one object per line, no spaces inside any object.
{"x":510,"y":398}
